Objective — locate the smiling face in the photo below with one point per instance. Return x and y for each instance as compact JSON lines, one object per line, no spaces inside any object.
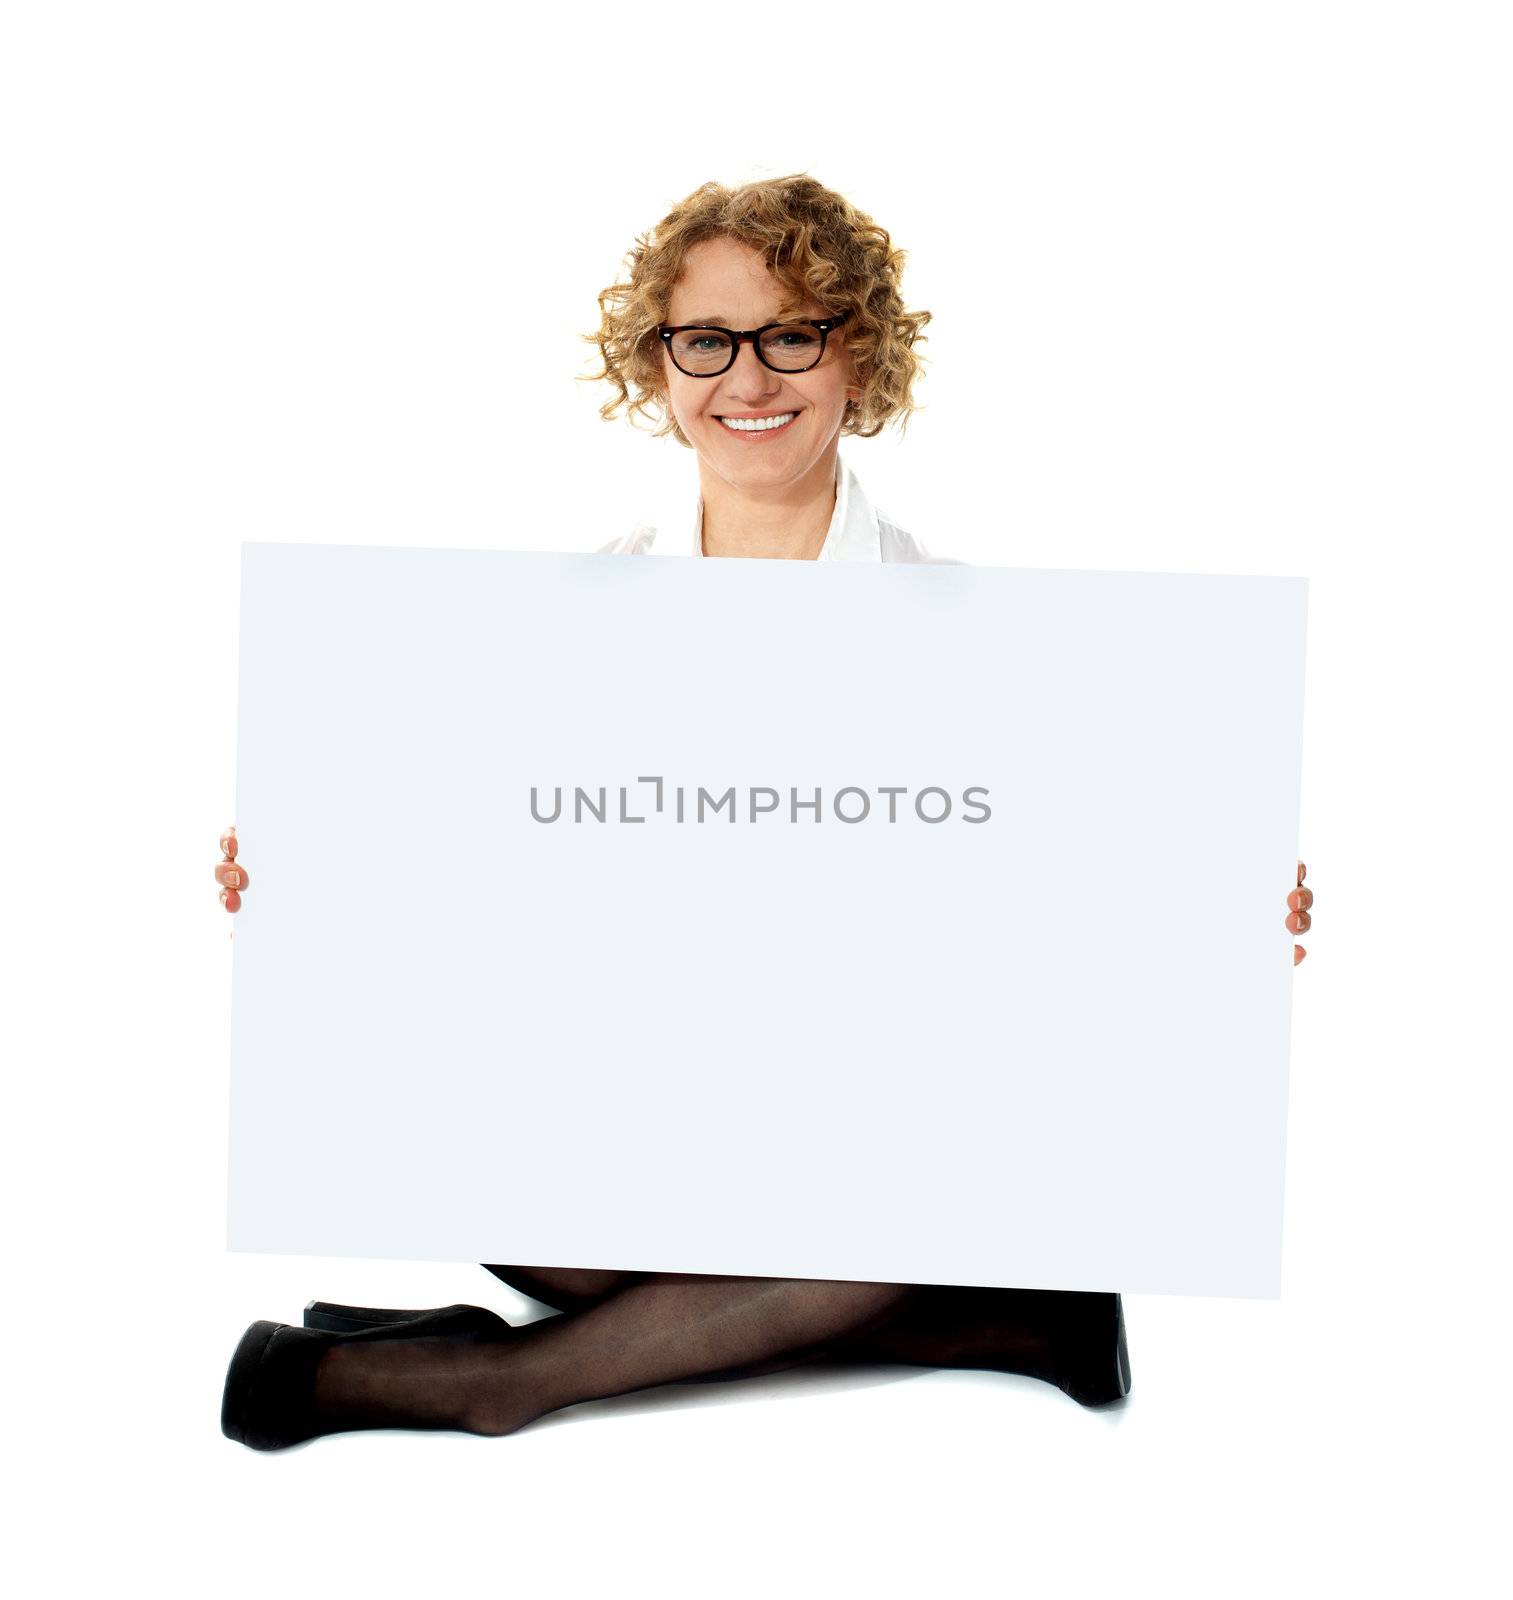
{"x":727,"y":282}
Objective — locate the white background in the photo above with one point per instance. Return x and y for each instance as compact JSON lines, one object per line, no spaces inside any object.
{"x":1217,"y":288}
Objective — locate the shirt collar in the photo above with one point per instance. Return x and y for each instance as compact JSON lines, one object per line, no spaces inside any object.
{"x":853,"y":534}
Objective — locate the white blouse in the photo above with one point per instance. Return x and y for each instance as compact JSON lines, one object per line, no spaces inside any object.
{"x":858,"y":531}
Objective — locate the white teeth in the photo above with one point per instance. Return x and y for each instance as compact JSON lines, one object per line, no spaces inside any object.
{"x":757,"y":424}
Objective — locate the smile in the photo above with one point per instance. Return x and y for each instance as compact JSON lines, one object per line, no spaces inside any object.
{"x":758,"y":424}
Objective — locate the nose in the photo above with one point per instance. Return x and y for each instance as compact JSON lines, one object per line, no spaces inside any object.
{"x":748,"y":380}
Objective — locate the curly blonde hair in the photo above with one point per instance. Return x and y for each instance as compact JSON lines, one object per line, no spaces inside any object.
{"x":817,"y":244}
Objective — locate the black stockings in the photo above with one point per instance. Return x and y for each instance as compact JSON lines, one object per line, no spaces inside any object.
{"x":928,"y":1325}
{"x":658,"y":1328}
{"x":623,"y":1331}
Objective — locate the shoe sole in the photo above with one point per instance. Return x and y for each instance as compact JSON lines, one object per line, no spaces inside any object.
{"x":1126,"y":1382}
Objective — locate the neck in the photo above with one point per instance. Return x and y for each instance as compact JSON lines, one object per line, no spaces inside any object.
{"x":787,"y":523}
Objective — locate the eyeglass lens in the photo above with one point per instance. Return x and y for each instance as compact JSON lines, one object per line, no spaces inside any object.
{"x":791,"y":348}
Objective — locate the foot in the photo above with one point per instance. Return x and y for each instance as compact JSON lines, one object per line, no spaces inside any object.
{"x":1089,"y":1355}
{"x":286,"y":1384}
{"x":1073,"y":1340}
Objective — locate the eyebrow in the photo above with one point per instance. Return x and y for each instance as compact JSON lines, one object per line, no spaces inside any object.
{"x":783,"y":314}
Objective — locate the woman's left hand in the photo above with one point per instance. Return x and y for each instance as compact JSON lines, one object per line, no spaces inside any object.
{"x":1299,"y":904}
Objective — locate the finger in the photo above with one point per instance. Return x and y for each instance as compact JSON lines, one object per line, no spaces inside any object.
{"x":228,"y":844}
{"x":1298,"y":922}
{"x":1302,"y":873}
{"x":231,"y":875}
{"x":231,"y":900}
{"x":1298,"y":952}
{"x":1300,"y":900}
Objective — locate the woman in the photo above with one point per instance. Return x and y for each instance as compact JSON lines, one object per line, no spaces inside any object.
{"x":758,"y":325}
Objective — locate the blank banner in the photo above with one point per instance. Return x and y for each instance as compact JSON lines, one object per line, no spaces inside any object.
{"x":908,"y":923}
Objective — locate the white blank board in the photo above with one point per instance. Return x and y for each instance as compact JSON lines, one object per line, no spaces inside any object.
{"x":1045,"y":1049}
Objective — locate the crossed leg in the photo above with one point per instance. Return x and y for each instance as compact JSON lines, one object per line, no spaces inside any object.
{"x":657,"y":1328}
{"x":934,"y":1325}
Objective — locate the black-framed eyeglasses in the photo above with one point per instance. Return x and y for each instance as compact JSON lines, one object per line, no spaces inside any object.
{"x":705,"y":350}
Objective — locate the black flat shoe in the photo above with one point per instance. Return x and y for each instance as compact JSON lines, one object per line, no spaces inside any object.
{"x":269,"y":1400}
{"x":1093,"y":1357}
{"x":268,"y":1403}
{"x":382,"y":1322}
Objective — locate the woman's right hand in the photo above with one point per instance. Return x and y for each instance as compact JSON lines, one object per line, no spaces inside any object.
{"x":230,"y":873}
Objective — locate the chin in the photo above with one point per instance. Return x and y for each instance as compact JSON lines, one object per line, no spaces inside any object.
{"x":769,"y":474}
